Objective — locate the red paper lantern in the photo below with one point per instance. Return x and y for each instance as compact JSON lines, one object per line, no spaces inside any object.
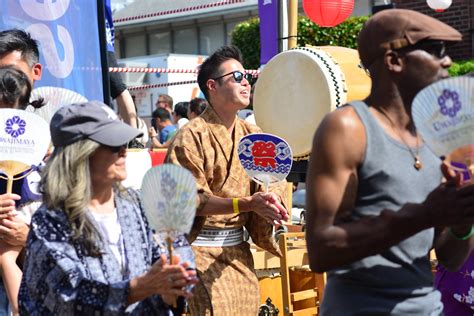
{"x":328,"y":13}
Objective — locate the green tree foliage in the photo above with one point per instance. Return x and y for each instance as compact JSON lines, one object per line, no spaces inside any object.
{"x":344,"y":34}
{"x":246,"y":36}
{"x":461,"y":68}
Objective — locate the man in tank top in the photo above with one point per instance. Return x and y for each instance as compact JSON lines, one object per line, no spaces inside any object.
{"x":375,"y":203}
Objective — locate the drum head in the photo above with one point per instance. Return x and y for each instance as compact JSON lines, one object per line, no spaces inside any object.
{"x":292,"y":95}
{"x":295,"y":90}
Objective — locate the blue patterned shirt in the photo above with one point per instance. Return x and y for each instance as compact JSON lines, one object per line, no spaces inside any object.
{"x":60,"y":279}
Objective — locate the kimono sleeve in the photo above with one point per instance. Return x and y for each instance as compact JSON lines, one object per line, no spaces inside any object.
{"x":55,"y":279}
{"x":186,"y":151}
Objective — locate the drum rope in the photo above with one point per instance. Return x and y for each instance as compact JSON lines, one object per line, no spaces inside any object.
{"x":333,"y":75}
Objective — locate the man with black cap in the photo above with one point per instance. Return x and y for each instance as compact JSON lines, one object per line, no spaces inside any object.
{"x":375,"y":203}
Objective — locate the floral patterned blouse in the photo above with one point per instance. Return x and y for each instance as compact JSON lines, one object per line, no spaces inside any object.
{"x":457,"y":288}
{"x":60,"y":279}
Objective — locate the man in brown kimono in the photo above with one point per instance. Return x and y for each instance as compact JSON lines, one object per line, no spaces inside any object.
{"x":228,"y":199}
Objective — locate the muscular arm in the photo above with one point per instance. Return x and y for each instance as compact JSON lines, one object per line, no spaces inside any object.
{"x":338,"y":150}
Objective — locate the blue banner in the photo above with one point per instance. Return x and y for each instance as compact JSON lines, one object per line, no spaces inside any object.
{"x":268,"y":12}
{"x":68,"y":36}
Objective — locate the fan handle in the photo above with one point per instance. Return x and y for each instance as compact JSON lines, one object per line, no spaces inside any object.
{"x":10,"y":168}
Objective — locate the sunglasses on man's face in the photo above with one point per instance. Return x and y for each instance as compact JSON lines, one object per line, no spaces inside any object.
{"x":238,"y":76}
{"x":435,"y":48}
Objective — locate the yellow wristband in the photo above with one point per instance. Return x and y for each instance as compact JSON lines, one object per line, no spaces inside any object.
{"x":235,"y":205}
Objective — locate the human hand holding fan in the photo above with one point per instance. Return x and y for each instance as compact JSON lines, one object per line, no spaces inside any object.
{"x":444,"y":116}
{"x":267,"y":160}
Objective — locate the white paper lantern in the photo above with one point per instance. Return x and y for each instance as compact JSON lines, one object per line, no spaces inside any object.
{"x":439,"y":5}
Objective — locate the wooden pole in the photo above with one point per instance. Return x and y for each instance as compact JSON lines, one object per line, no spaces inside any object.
{"x":292,"y":24}
{"x":292,"y":43}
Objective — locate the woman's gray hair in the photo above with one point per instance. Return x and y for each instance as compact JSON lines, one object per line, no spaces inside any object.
{"x":66,"y":185}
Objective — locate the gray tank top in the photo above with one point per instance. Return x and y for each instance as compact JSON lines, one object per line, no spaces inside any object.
{"x":397,"y":281}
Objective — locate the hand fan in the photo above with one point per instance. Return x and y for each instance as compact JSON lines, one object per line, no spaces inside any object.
{"x":169,"y":198}
{"x":266,"y":158}
{"x":24,"y":141}
{"x":54,"y":98}
{"x":443,"y":114}
{"x":461,"y":161}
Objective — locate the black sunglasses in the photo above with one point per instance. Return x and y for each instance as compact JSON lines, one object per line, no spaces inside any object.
{"x":435,"y":48}
{"x":238,"y":76}
{"x":116,"y":149}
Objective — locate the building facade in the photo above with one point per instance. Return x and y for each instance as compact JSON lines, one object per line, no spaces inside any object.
{"x":197,"y":31}
{"x":460,"y":16}
{"x":201,"y":30}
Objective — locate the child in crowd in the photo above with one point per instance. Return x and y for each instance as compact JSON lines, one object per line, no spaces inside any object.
{"x":15,"y":90}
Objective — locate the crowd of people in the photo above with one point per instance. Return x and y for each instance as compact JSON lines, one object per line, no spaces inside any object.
{"x":166,"y":120}
{"x":73,"y":240}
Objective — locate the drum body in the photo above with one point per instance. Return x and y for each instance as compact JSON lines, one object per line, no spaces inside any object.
{"x":298,"y":87}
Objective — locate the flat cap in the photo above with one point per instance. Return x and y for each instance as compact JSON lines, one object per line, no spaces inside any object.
{"x":397,"y":28}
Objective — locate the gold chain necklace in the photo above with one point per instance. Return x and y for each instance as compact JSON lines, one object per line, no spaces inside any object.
{"x":416,"y":155}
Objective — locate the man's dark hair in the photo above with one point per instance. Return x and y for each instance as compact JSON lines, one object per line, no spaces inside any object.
{"x":198,"y":105}
{"x":15,"y":39}
{"x":162,"y":114}
{"x":210,"y":67}
{"x":181,"y":109}
{"x":15,"y":88}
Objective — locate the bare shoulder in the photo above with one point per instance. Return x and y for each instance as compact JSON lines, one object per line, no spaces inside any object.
{"x":341,"y":133}
{"x":344,"y":120}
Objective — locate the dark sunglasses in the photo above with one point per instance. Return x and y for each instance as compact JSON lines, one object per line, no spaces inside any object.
{"x":435,"y":48}
{"x":116,"y":149}
{"x":238,"y":76}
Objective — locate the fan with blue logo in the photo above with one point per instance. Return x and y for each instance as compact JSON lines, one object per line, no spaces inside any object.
{"x":266,"y":158}
{"x":24,"y":141}
{"x":443,"y":114}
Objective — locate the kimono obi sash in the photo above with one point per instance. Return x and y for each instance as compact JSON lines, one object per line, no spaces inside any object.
{"x":217,"y":237}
